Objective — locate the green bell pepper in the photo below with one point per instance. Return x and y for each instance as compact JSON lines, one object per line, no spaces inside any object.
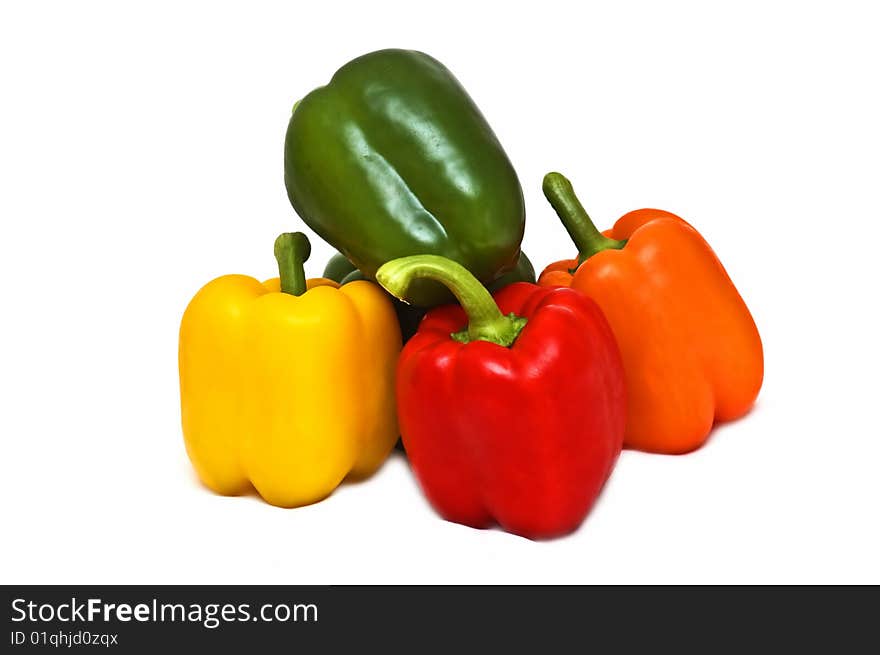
{"x":338,"y":266}
{"x":393,"y":158}
{"x":522,"y":272}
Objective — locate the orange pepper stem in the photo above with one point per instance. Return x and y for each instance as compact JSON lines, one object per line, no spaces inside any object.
{"x":292,"y":249}
{"x":588,"y":239}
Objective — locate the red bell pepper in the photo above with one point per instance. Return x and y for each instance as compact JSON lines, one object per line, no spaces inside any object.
{"x":511,"y":413}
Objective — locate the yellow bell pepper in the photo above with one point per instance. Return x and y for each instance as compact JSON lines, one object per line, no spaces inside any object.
{"x":285,"y":385}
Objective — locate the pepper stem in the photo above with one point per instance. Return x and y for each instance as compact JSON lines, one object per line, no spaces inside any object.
{"x":485,"y":320}
{"x":292,"y":249}
{"x":589,"y":240}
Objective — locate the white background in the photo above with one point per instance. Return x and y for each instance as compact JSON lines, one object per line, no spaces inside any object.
{"x":141,"y":156}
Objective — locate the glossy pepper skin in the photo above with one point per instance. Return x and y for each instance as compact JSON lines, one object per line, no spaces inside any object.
{"x":510,"y":413}
{"x":691,"y":350}
{"x":287,"y":391}
{"x":393,"y":158}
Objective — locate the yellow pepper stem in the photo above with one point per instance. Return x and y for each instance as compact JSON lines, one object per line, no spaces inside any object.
{"x":292,"y":249}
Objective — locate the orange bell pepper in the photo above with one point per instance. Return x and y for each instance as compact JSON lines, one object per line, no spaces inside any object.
{"x":691,"y":351}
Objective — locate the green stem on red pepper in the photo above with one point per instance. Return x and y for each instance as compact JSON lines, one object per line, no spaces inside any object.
{"x":588,"y":239}
{"x":485,"y":320}
{"x":292,"y":249}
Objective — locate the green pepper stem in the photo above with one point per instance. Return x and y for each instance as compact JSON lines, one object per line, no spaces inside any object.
{"x":589,"y":240}
{"x":485,"y":320}
{"x":292,"y":249}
